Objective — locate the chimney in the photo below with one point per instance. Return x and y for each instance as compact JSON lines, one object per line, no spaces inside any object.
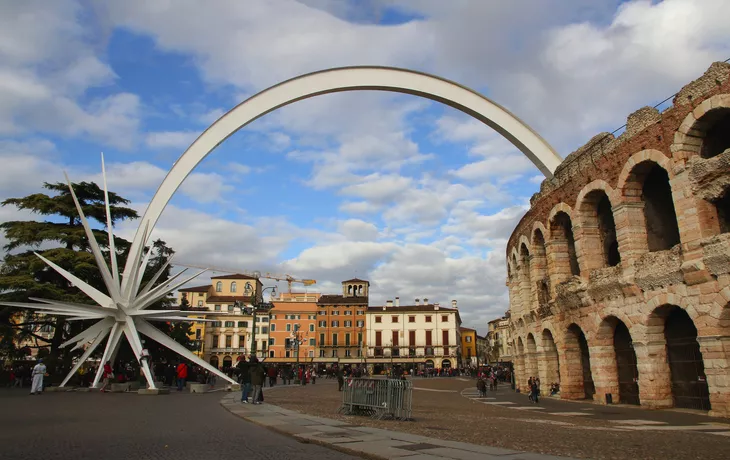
{"x":389,"y":303}
{"x":397,"y":301}
{"x":436,"y":306}
{"x":425,"y":301}
{"x":418,"y":301}
{"x":453,"y":304}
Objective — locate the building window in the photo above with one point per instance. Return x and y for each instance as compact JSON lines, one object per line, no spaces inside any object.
{"x":360,"y":312}
{"x":243,"y":324}
{"x":394,"y":319}
{"x":256,"y":330}
{"x":264,"y":329}
{"x":411,"y":319}
{"x":321,"y":340}
{"x":334,"y":353}
{"x":348,"y":353}
{"x":467,"y":339}
{"x":311,"y":328}
{"x":321,"y":353}
{"x":446,"y":351}
{"x":323,"y":324}
{"x":348,"y":313}
{"x":272,"y":327}
{"x":287,"y":354}
{"x":428,"y":319}
{"x":229,"y":341}
{"x":312,"y":317}
{"x":336,"y":313}
{"x":311,"y":353}
{"x":230,"y":323}
{"x":347,"y":340}
{"x":230,"y":308}
{"x":378,"y":319}
{"x":200,"y":303}
{"x":312,"y":342}
{"x":288,"y":327}
{"x":322,"y":312}
{"x":335,"y":324}
{"x":233,"y":286}
{"x":217,"y":308}
{"x":348,"y":323}
{"x":218,"y":287}
{"x":241,"y":341}
{"x":271,"y":354}
{"x":216,"y":341}
{"x":215,"y":324}
{"x":334,"y":340}
{"x":361,"y":323}
{"x":444,"y":318}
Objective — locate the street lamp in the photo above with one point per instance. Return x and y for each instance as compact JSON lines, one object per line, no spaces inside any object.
{"x":298,"y":340}
{"x":256,"y":305}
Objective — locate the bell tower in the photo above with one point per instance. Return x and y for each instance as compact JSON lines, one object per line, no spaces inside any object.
{"x":355,"y":288}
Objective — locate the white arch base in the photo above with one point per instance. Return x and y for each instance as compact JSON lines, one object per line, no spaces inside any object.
{"x":118,"y":314}
{"x":330,"y":81}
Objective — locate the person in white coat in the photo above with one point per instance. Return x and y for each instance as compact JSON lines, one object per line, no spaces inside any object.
{"x":39,"y":371}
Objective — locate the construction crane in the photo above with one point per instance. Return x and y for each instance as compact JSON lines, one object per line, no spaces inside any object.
{"x":256,"y":274}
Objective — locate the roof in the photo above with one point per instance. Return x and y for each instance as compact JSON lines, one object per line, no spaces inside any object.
{"x":227,"y":298}
{"x":356,"y":280}
{"x":498,"y":320}
{"x":235,"y":276}
{"x":413,"y":308}
{"x":196,"y":289}
{"x":341,"y":300}
{"x":467,"y":329}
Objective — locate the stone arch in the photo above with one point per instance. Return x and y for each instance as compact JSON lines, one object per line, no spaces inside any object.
{"x":227,"y":362}
{"x":550,"y":364}
{"x":705,"y":130}
{"x":577,"y":380}
{"x":214,"y":361}
{"x":531,"y":364}
{"x":647,"y":195}
{"x":595,"y":239}
{"x":561,"y":253}
{"x":615,"y":361}
{"x":682,"y":369}
{"x":520,"y":372}
{"x":540,"y":279}
{"x":525,"y":275}
{"x":338,"y":80}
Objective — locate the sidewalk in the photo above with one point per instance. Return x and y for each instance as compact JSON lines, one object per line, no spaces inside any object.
{"x":365,"y":441}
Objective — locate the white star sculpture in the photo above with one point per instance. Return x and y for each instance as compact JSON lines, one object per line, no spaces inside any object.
{"x":124,"y":309}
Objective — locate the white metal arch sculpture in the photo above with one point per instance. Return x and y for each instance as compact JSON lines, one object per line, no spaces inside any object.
{"x":123,"y":311}
{"x":337,"y":80}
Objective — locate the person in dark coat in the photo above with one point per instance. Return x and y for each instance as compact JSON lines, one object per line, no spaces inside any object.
{"x":244,"y":378}
{"x":258,"y":375}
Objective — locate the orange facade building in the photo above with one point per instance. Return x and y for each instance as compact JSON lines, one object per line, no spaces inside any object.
{"x":293,"y":317}
{"x":340,"y":327}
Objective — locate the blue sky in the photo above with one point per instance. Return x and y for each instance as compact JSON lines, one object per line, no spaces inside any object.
{"x":412,"y":195}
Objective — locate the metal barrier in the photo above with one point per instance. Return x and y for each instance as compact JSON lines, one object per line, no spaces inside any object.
{"x":378,"y":398}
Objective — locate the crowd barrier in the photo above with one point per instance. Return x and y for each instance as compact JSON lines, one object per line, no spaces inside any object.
{"x":378,"y":398}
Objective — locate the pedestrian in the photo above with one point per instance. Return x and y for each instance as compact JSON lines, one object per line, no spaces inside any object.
{"x":272,"y":376}
{"x":534,"y":393}
{"x":39,"y":371}
{"x":244,"y":378}
{"x":182,"y":375}
{"x":482,"y":387}
{"x":108,"y":375}
{"x":529,"y":388}
{"x":340,"y":379}
{"x":257,"y":378}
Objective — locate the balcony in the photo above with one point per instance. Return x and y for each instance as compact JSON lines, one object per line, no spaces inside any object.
{"x":227,"y":350}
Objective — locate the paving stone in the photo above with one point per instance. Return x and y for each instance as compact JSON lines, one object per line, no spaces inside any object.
{"x":487,"y":450}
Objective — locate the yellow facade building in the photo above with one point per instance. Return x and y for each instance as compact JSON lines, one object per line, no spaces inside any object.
{"x":469,"y":355}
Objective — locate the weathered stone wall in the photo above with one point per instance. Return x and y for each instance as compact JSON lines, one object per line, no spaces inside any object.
{"x":650,"y":207}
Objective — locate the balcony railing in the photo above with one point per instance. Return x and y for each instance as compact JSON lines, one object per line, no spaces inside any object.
{"x":227,"y":350}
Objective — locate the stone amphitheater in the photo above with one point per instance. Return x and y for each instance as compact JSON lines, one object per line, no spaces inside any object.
{"x":619,"y":274}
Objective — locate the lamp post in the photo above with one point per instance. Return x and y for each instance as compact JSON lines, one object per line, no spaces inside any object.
{"x":256,"y":305}
{"x":298,"y":340}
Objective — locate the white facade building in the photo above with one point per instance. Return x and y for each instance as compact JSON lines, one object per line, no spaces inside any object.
{"x":421,"y":335}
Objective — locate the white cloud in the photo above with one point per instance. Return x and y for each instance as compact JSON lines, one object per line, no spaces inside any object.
{"x":358,"y":230}
{"x":179,"y":140}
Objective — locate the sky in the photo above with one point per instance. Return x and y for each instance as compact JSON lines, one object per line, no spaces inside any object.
{"x":409,"y":194}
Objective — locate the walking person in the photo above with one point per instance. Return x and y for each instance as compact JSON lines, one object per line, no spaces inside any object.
{"x":108,"y":374}
{"x":244,"y":378}
{"x":182,"y":375}
{"x":39,"y":371}
{"x":535,"y":393}
{"x":257,"y":379}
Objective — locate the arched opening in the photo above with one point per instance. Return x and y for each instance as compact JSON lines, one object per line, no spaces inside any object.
{"x":578,"y":360}
{"x":526,"y":283}
{"x":662,"y":230}
{"x":600,"y":246}
{"x":626,"y":366}
{"x":717,"y":134}
{"x":521,"y":377}
{"x":214,"y":361}
{"x":446,"y":364}
{"x":539,"y":266}
{"x":233,"y":286}
{"x":532,"y":369}
{"x":551,"y":365}
{"x":219,"y":286}
{"x":689,"y":382}
{"x":227,"y":361}
{"x":429,"y":364}
{"x":563,"y":243}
